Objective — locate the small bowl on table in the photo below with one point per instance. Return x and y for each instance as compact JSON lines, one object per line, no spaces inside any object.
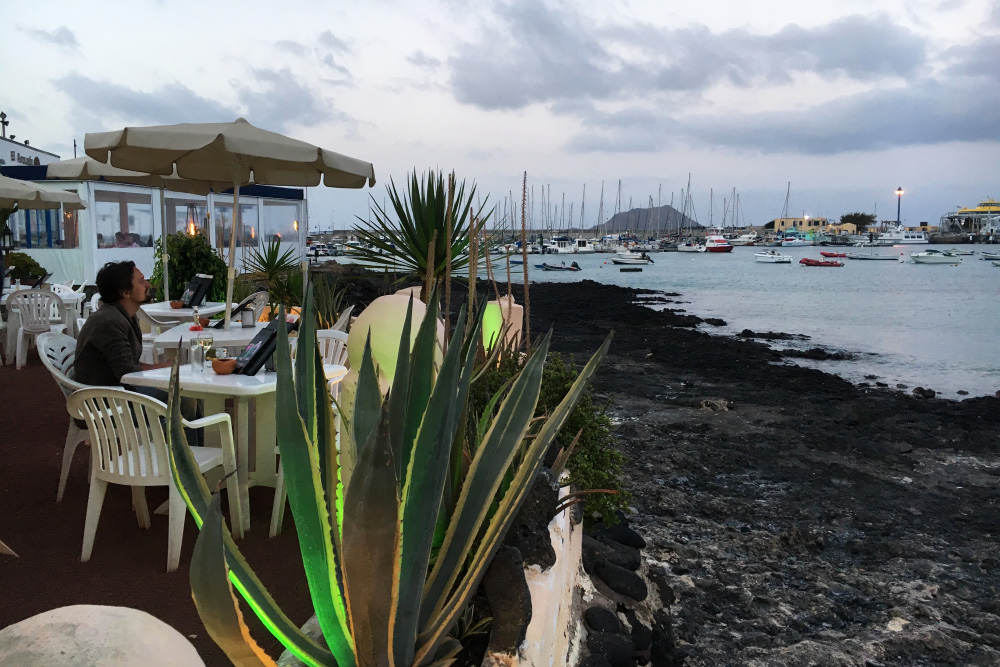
{"x":176,"y":304}
{"x":203,"y":321}
{"x":223,"y":366}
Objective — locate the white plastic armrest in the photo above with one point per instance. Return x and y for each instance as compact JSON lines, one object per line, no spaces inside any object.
{"x":211,"y":420}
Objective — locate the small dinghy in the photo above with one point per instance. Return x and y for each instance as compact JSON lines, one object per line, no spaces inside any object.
{"x":832,"y":254}
{"x":558,"y":267}
{"x":806,"y":261}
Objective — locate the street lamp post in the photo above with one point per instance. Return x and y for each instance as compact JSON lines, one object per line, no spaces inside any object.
{"x":899,"y":202}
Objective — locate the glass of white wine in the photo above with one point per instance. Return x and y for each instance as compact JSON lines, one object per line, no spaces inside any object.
{"x":205,"y":340}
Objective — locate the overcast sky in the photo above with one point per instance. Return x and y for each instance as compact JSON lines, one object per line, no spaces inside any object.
{"x":846,"y":99}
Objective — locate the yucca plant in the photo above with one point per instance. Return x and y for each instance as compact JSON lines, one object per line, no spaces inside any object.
{"x":279,"y":272}
{"x":385,"y":591}
{"x":399,"y":238}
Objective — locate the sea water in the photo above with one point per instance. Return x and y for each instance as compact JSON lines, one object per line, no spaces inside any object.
{"x":936,"y":326}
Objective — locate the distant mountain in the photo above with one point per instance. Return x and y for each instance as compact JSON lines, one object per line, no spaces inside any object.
{"x":646,"y":220}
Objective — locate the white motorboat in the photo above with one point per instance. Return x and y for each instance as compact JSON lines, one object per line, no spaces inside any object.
{"x":933,"y":257}
{"x":690,"y":246}
{"x":958,"y":252}
{"x":772,"y":257}
{"x":873,"y":256}
{"x":987,"y":255}
{"x":901,"y":235}
{"x":746,"y":239}
{"x":585,"y":246}
{"x":795,"y":242}
{"x":631,"y":258}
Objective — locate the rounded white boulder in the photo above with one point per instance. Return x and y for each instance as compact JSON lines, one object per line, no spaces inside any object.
{"x":93,"y":635}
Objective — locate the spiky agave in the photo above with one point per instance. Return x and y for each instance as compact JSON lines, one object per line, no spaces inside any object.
{"x":366,"y":542}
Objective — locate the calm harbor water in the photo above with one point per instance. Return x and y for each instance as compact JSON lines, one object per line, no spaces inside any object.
{"x":935,"y":326}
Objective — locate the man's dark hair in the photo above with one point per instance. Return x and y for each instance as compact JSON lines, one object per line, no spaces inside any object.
{"x":113,"y":279}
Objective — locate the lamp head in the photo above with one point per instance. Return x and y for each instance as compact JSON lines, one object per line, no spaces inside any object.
{"x":899,"y":191}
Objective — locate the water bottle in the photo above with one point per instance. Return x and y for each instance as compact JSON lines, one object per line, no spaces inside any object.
{"x":197,"y":356}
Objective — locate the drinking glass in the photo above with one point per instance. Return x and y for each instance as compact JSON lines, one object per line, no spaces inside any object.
{"x":205,"y":340}
{"x":197,"y":354}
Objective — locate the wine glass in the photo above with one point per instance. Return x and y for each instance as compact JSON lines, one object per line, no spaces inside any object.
{"x":205,"y":340}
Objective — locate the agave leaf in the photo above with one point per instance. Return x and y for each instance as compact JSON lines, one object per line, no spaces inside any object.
{"x":371,"y":517}
{"x":482,"y":481}
{"x":487,"y":417}
{"x":399,"y":394}
{"x":439,"y":622}
{"x":367,"y":409}
{"x":192,"y":487}
{"x":305,"y":386}
{"x":214,"y":599}
{"x":421,"y":376}
{"x":300,"y":461}
{"x":426,"y":476}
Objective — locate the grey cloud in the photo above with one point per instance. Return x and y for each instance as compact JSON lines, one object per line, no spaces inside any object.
{"x":279,"y":100}
{"x":292,"y":47}
{"x":978,"y":59}
{"x":924,"y":113}
{"x":332,"y":63}
{"x":543,"y":53}
{"x":330,"y":41}
{"x":171,"y":103}
{"x":61,"y":36}
{"x":423,"y":60}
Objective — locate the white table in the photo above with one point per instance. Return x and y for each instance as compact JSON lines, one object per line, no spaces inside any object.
{"x":70,"y":311}
{"x":255,"y":443}
{"x":234,"y":337}
{"x":161,"y":310}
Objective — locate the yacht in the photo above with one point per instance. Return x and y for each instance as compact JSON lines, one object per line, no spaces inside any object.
{"x":561,"y":245}
{"x":585,"y":246}
{"x":901,"y":235}
{"x":746,"y":239}
{"x":691,"y":246}
{"x":715,"y":243}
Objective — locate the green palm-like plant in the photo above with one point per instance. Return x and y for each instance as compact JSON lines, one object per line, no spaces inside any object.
{"x":279,"y":272}
{"x":367,"y":541}
{"x":399,"y":241}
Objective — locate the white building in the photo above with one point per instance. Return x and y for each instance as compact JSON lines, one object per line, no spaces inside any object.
{"x":121,"y":222}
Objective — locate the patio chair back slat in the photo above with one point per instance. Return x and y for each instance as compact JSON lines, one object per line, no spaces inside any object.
{"x":36,"y":308}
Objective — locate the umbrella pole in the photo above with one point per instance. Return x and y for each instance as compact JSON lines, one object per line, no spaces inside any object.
{"x":164,"y":257}
{"x":231,"y":281}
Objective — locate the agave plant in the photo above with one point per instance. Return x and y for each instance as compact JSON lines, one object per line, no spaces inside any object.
{"x":391,"y":566}
{"x":399,"y":241}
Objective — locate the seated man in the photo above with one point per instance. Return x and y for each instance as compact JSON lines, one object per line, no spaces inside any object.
{"x":110,"y":342}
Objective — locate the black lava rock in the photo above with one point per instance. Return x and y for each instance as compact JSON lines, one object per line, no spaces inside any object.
{"x":658,"y":575}
{"x":662,"y":650}
{"x":622,"y":581}
{"x":599,"y":619}
{"x":642,"y":637}
{"x":621,"y":533}
{"x":509,"y":598}
{"x":616,"y":648}
{"x":615,"y":553}
{"x":595,"y":661}
{"x":529,"y":532}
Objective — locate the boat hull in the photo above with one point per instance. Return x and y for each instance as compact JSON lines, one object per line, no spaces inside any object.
{"x":805,"y":261}
{"x":772,"y":258}
{"x":920,"y":258}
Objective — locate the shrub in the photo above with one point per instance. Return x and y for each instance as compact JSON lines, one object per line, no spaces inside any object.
{"x":24,"y":266}
{"x":189,"y":256}
{"x":595,"y":463}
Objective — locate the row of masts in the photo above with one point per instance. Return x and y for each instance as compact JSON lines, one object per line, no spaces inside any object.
{"x":545,"y":217}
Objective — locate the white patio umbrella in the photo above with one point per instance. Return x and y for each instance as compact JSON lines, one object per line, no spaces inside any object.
{"x":88,"y":169}
{"x":231,"y":152}
{"x":16,"y":194}
{"x":28,"y":195}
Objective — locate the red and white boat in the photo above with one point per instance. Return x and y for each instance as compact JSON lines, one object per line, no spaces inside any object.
{"x":806,"y":261}
{"x":833,"y":254}
{"x":714,"y":243}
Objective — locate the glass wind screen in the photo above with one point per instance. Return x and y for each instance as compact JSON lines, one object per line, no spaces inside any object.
{"x":186,"y":214}
{"x":280,"y":221}
{"x":123,"y":219}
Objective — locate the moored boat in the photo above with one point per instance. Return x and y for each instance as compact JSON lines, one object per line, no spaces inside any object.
{"x":807,"y":261}
{"x":889,"y":258}
{"x":545,"y":266}
{"x":631,"y":258}
{"x":958,"y":252}
{"x":934,"y":257}
{"x":690,"y":246}
{"x":715,"y":243}
{"x":772,"y":257}
{"x":832,"y":254}
{"x":746,"y":239}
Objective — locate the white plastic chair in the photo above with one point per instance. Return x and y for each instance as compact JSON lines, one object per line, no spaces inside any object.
{"x":156,"y":327}
{"x":258,"y":303}
{"x":128,"y":446}
{"x":344,"y":321}
{"x":332,"y":346}
{"x":80,"y":321}
{"x":280,"y":493}
{"x":68,"y":283}
{"x":34,"y":308}
{"x":90,"y":307}
{"x":58,"y":352}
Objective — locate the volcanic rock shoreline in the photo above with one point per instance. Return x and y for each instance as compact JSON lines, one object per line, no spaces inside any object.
{"x":799,"y":519}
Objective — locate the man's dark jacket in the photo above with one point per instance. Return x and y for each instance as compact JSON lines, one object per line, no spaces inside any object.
{"x":108,"y":347}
